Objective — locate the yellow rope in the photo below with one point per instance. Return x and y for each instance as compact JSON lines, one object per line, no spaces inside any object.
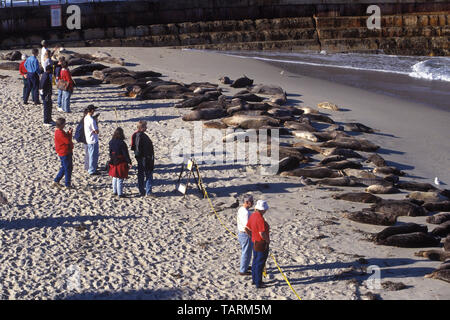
{"x":202,"y":187}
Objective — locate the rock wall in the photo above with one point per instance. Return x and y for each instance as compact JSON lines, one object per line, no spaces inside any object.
{"x":408,"y":27}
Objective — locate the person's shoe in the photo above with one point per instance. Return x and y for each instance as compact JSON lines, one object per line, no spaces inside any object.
{"x":37,"y":103}
{"x":69,"y":187}
{"x":151,"y":195}
{"x":56,"y":185}
{"x":96,"y":173}
{"x":261,"y":286}
{"x":249,"y":268}
{"x":48,"y":125}
{"x":59,"y":109}
{"x":122,"y":196}
{"x":247,"y":273}
{"x":25,"y":102}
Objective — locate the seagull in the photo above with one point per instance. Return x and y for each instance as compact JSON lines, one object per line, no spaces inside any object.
{"x":282,"y":72}
{"x":437,"y":181}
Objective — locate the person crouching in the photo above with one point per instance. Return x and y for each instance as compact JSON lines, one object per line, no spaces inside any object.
{"x":119,"y":161}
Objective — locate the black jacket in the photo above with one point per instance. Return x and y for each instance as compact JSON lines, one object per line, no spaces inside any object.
{"x":118,"y":152}
{"x":46,"y":84}
{"x":144,"y":150}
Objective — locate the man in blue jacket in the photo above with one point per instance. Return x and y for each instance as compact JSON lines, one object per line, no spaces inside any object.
{"x":45,"y":89}
{"x":33,"y":71}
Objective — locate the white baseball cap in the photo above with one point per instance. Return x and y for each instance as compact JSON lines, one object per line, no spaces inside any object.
{"x":261,"y":205}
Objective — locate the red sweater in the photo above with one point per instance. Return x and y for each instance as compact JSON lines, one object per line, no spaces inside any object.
{"x":63,"y":143}
{"x":65,"y":75}
{"x":23,"y":71}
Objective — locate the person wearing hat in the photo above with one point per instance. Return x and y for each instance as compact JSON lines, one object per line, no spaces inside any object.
{"x":258,"y":228}
{"x":23,"y":72}
{"x":91,"y":134}
{"x":244,"y":239}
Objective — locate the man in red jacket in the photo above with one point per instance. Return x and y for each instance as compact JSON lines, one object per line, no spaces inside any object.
{"x":23,"y":71}
{"x":63,"y":147}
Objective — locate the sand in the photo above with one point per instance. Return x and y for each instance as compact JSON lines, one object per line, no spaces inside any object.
{"x":57,"y":244}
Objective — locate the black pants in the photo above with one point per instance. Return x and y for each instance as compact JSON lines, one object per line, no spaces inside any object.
{"x":47,"y":101}
{"x":26,"y":88}
{"x":33,"y":87}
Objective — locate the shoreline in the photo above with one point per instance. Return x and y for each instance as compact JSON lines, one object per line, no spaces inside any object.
{"x":174,"y":248}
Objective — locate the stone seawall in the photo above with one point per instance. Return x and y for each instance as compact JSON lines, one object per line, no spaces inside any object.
{"x":407,"y":27}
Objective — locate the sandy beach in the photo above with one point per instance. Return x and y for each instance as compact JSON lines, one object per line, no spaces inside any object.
{"x":88,"y":244}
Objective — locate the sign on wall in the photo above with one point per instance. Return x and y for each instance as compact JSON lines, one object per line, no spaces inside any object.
{"x":55,"y":14}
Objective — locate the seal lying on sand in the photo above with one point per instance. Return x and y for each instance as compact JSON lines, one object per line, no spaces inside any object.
{"x":402,"y":229}
{"x":87,"y":69}
{"x":348,"y":153}
{"x":299,"y":126}
{"x":377,"y":160}
{"x":388,"y":170}
{"x":319,"y":118}
{"x":343,"y":164}
{"x":9,"y":66}
{"x":250,"y":122}
{"x":379,"y":189}
{"x":370,"y":217}
{"x":215,"y":124}
{"x":435,"y":255}
{"x":339,"y":182}
{"x":443,"y":275}
{"x":411,"y":240}
{"x":415,"y":186}
{"x":204,"y":114}
{"x":328,"y":105}
{"x":430,"y":196}
{"x":447,"y":244}
{"x":288,"y":163}
{"x":357,"y":197}
{"x":351,"y":143}
{"x":331,"y":159}
{"x":367,"y":182}
{"x":318,"y":172}
{"x":358,"y":127}
{"x":242,"y":82}
{"x":442,"y":230}
{"x":438,"y":206}
{"x":399,"y":208}
{"x":357,"y":173}
{"x":439,"y":218}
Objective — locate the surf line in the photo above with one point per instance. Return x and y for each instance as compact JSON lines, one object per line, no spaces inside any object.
{"x":205,"y":193}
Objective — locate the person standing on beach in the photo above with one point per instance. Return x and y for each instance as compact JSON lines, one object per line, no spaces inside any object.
{"x":145,"y":157}
{"x":246,"y":242}
{"x":57,"y":75}
{"x":23,"y":72}
{"x":258,"y":229}
{"x":44,"y":51}
{"x":47,"y":60}
{"x":63,"y":147}
{"x":91,"y":134}
{"x":45,"y":90}
{"x":33,"y":71}
{"x":119,"y":161}
{"x":66,"y":76}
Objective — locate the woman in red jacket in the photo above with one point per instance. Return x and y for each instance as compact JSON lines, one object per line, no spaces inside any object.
{"x":63,"y":147}
{"x":66,"y":76}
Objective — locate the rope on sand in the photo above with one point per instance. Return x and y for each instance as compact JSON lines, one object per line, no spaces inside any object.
{"x":205,"y":193}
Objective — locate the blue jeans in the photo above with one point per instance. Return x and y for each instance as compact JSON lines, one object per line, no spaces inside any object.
{"x":145,"y":178}
{"x":26,"y":89}
{"x":33,"y":87}
{"x":47,"y":101}
{"x":246,"y":255}
{"x":65,"y":100}
{"x":93,"y":157}
{"x":59,"y":98}
{"x":117,"y":185}
{"x":259,"y":260}
{"x":66,"y":170}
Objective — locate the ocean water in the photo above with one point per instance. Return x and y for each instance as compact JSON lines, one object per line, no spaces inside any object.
{"x":415,"y":78}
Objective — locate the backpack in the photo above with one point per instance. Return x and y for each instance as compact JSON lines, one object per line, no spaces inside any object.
{"x":79,"y":132}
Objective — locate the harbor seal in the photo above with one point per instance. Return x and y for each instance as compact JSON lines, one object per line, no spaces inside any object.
{"x":309,"y":110}
{"x":317,"y":172}
{"x":415,"y":186}
{"x":250,"y":122}
{"x":367,"y":182}
{"x":241,"y":82}
{"x":287,"y":164}
{"x":402,"y":229}
{"x":443,"y":275}
{"x":343,"y":164}
{"x":430,"y":196}
{"x":351,"y":143}
{"x":379,"y":189}
{"x":347,"y":153}
{"x":399,"y":208}
{"x":388,"y":170}
{"x":447,"y":243}
{"x":331,"y":159}
{"x":306,"y":135}
{"x":377,"y":160}
{"x":338,"y":182}
{"x":214,"y":124}
{"x":328,"y":105}
{"x":87,"y":69}
{"x":267,"y":89}
{"x":442,"y":230}
{"x":299,"y":126}
{"x":288,"y":152}
{"x":319,"y":118}
{"x":411,"y":240}
{"x":438,"y":206}
{"x":439,"y":218}
{"x":435,"y":255}
{"x":357,"y":173}
{"x":9,"y":66}
{"x":370,"y":217}
{"x":307,"y":146}
{"x":358,"y":127}
{"x":204,"y":114}
{"x":357,"y":197}
{"x":225,"y":80}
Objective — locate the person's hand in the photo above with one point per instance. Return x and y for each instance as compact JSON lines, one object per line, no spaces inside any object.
{"x":41,"y":92}
{"x":70,"y":130}
{"x":25,"y":76}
